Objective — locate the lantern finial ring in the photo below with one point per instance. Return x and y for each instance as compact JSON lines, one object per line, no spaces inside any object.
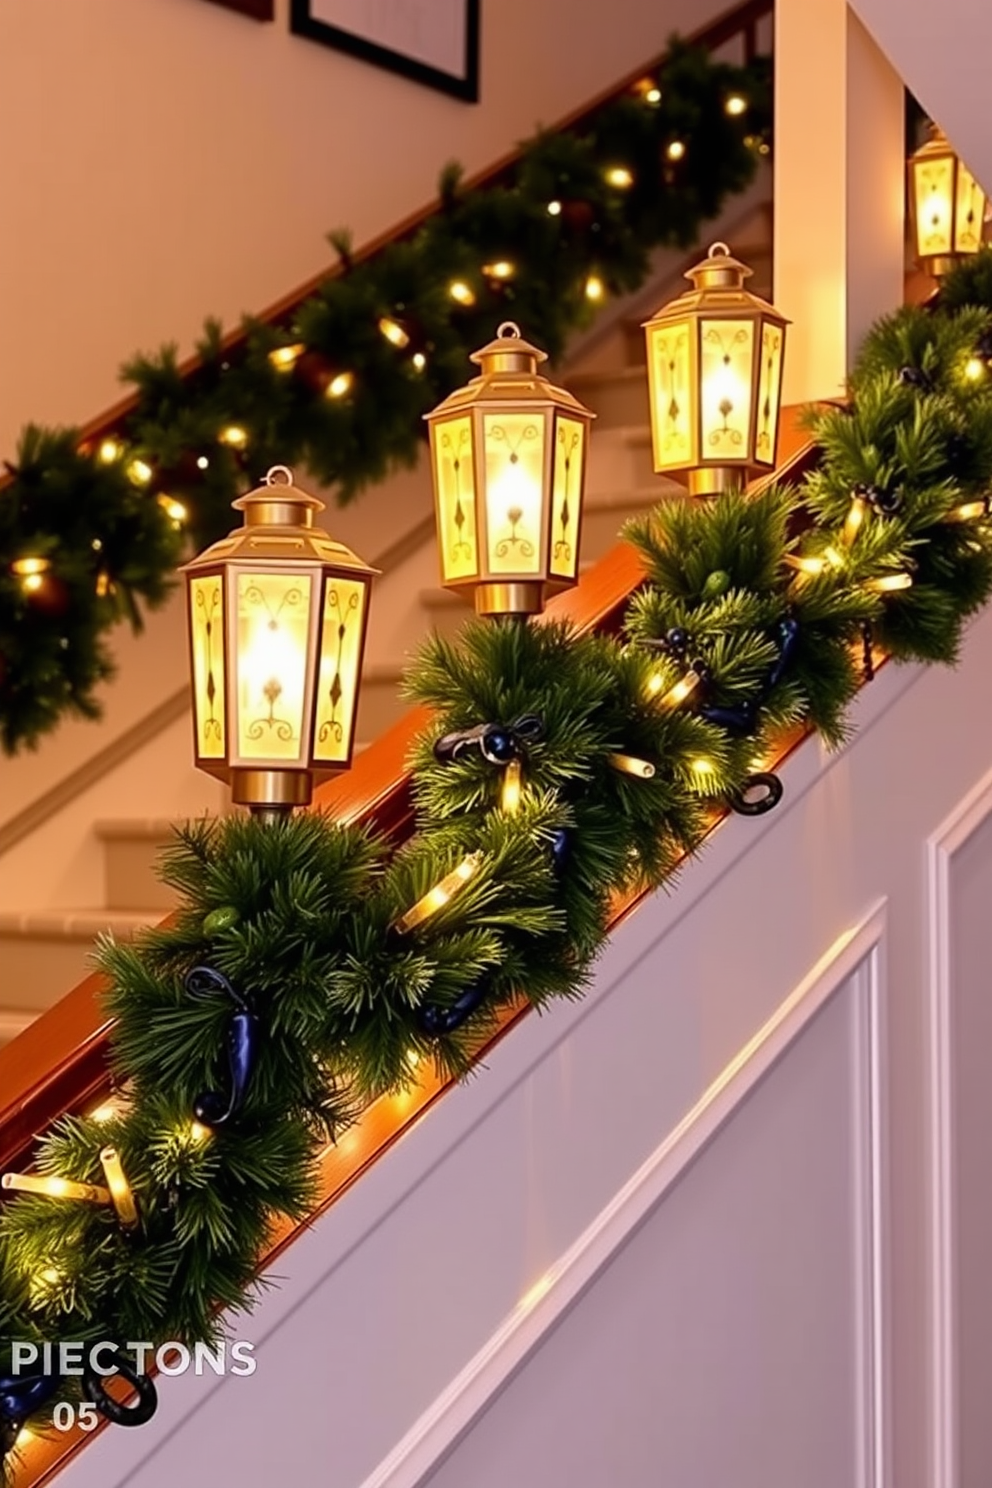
{"x":718,"y":250}
{"x":508,"y":330}
{"x":279,"y":475}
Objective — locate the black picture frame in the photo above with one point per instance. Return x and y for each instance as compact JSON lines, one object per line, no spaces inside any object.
{"x":464,"y":86}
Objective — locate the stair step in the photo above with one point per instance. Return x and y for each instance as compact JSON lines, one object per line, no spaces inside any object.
{"x":130,"y":851}
{"x":45,"y":952}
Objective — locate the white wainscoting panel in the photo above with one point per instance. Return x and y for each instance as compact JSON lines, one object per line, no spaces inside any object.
{"x":960,"y":872}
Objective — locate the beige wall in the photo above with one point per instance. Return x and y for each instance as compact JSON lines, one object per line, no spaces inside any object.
{"x":166,"y":159}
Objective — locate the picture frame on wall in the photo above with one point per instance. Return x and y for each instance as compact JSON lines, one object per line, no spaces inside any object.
{"x":434,"y":42}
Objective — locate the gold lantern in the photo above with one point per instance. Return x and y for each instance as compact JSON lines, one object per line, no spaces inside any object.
{"x":277,"y":618}
{"x":715,"y":378}
{"x":508,"y":455}
{"x":947,"y":205}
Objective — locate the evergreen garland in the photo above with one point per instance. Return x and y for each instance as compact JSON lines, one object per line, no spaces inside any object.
{"x":771,"y":603}
{"x":341,"y":387}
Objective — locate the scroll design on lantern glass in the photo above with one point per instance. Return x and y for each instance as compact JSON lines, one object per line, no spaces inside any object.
{"x":514,"y":514}
{"x":211,"y":725}
{"x":332,"y":727}
{"x":460,"y":548}
{"x":771,"y":344}
{"x":272,"y":688}
{"x":672,"y":352}
{"x":570,"y":440}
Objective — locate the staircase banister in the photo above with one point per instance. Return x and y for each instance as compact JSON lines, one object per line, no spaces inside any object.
{"x":739,"y":20}
{"x":59,"y":1063}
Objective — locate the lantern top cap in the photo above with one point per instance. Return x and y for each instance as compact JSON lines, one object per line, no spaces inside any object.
{"x":509,"y":352}
{"x":277,"y":502}
{"x":719,"y":270}
{"x":936,"y":143}
{"x":279,"y":526}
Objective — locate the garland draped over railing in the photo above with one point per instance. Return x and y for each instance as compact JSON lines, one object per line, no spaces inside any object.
{"x":91,"y":531}
{"x":310,"y":967}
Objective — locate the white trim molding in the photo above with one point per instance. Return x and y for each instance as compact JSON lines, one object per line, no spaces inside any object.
{"x":855,"y":955}
{"x":952,"y":834}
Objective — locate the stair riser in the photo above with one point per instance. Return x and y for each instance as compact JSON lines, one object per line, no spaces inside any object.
{"x":130,"y":881}
{"x":35,"y":971}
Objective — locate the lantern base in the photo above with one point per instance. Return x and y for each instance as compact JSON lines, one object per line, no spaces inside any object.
{"x":516,"y":597}
{"x":939,"y":264}
{"x":276,"y":790}
{"x":714,"y":480}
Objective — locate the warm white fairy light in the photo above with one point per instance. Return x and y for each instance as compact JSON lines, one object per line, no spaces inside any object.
{"x":855,"y":516}
{"x":968,"y":511}
{"x":620,"y":177}
{"x":594,"y":287}
{"x":109,"y":451}
{"x":461,"y":293}
{"x":735,"y":105}
{"x":419,"y":360}
{"x":554,"y":208}
{"x":890,"y":583}
{"x":340,"y":385}
{"x":974,"y":369}
{"x":202,"y":462}
{"x":676,"y":150}
{"x":52,"y":1187}
{"x":511,"y":792}
{"x":140,"y":472}
{"x":393,"y":332}
{"x":501,"y":269}
{"x":437,"y":897}
{"x":174,"y":510}
{"x":120,"y":1190}
{"x":285,"y":358}
{"x":234,"y":436}
{"x":683,"y":688}
{"x":629,"y":764}
{"x":653,"y":96}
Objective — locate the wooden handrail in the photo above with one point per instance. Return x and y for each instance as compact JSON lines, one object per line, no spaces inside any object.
{"x":741,"y":20}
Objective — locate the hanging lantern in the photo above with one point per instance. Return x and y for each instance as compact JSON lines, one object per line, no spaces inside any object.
{"x":947,"y":205}
{"x":277,"y":618}
{"x":715,"y":378}
{"x":508,"y":454}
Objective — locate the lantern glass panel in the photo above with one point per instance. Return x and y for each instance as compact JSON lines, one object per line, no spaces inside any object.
{"x":206,"y":606}
{"x":342,"y":628}
{"x":273,"y":624}
{"x":670,"y":380}
{"x":726,"y":354}
{"x":513,"y":450}
{"x":769,"y":392}
{"x":969,"y":212}
{"x":933,"y":186}
{"x":566,"y":498}
{"x":454,"y":482}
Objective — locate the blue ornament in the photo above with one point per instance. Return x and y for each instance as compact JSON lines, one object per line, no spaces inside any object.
{"x":561,"y":848}
{"x":213,"y":1107}
{"x":20,"y":1396}
{"x":739,"y":719}
{"x":437,"y":1020}
{"x":498,"y":745}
